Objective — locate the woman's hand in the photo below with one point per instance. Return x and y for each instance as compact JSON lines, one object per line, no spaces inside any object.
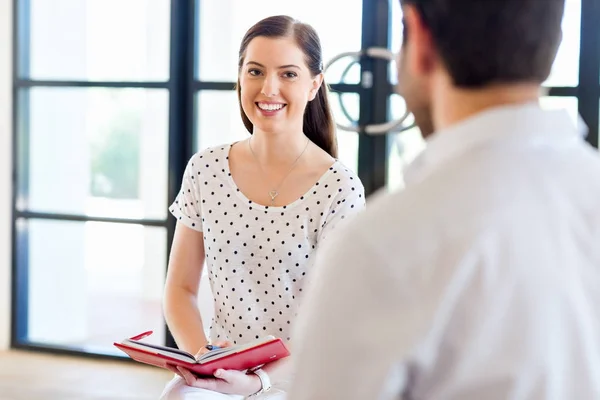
{"x":225,"y":381}
{"x":204,"y":350}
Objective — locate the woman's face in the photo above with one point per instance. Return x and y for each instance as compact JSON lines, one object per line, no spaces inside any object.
{"x":276,"y":84}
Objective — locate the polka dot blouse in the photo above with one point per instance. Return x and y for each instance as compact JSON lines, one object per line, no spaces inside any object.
{"x":258,"y":257}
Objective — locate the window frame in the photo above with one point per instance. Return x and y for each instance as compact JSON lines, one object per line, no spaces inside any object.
{"x":183,"y":86}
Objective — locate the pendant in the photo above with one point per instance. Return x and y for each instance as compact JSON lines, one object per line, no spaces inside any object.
{"x":273,"y":194}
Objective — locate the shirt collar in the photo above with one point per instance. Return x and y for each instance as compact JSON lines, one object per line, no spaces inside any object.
{"x":523,"y":123}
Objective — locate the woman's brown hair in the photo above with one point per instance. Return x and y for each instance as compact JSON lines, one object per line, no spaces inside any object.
{"x":318,"y":123}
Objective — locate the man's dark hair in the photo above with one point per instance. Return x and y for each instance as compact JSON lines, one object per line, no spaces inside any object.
{"x":484,"y":42}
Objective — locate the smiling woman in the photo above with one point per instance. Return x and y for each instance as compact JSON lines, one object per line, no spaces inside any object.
{"x":292,"y":68}
{"x":255,"y":212}
{"x":274,"y":96}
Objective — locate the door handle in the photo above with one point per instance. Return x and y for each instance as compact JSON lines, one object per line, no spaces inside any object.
{"x":394,"y":126}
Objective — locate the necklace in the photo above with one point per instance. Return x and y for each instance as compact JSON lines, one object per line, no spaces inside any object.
{"x":273,"y":193}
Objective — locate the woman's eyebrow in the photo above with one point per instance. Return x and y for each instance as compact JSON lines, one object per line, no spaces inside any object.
{"x":280,"y":67}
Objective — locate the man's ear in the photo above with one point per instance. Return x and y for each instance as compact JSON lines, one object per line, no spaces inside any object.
{"x":316,"y":85}
{"x":420,"y":50}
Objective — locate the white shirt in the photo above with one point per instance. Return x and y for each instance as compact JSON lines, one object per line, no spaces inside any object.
{"x":479,"y":281}
{"x":258,"y":258}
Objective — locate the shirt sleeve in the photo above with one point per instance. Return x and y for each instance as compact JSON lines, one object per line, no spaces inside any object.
{"x":345,"y":345}
{"x":349,"y":202}
{"x":187,"y":207}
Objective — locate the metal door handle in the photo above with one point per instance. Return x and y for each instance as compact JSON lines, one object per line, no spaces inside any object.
{"x":367,"y":83}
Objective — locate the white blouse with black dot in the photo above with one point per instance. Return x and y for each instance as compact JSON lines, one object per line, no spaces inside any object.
{"x":258,"y":257}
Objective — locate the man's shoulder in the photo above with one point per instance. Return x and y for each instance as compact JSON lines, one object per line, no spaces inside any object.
{"x":389,"y":217}
{"x":394,"y":206}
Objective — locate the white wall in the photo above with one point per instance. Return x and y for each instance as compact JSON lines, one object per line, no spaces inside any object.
{"x":5,"y":167}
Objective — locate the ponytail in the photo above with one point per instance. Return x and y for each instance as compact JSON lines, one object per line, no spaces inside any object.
{"x":318,"y":122}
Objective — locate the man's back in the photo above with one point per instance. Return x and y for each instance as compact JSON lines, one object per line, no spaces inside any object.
{"x":505,"y":241}
{"x":481,"y":280}
{"x":487,"y":277}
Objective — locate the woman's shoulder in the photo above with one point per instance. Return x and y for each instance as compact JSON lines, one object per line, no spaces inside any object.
{"x":339,"y":183}
{"x":213,"y":160}
{"x":337,"y":174}
{"x":213,"y":152}
{"x":344,"y":175}
{"x":212,"y":155}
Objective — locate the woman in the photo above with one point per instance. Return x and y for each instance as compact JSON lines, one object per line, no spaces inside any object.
{"x":254,"y":212}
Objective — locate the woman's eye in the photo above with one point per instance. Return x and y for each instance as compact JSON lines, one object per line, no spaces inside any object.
{"x":290,"y":74}
{"x":254,"y":72}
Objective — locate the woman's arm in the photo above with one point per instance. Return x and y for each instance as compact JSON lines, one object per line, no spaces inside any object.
{"x":180,"y":302}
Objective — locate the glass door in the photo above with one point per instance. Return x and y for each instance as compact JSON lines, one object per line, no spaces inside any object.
{"x":221,"y":26}
{"x":562,"y":87}
{"x":103,"y":133}
{"x":91,"y":133}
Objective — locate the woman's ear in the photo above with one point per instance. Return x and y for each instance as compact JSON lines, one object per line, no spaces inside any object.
{"x":316,"y":85}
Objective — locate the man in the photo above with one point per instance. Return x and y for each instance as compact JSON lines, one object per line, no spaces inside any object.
{"x":481,"y":280}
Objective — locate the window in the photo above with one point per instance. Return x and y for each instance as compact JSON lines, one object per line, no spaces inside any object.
{"x":218,"y":115}
{"x":218,"y":59}
{"x":97,"y":40}
{"x":92,"y":138}
{"x":563,"y":84}
{"x":113,"y":97}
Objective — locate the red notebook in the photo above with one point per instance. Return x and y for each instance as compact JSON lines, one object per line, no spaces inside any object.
{"x":241,"y":357}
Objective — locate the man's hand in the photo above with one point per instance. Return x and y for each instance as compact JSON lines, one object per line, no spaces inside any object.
{"x":225,"y":381}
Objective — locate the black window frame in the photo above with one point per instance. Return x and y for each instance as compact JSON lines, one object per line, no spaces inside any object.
{"x":183,"y":87}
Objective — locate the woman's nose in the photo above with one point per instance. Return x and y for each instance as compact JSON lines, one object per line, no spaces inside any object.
{"x":270,"y":86}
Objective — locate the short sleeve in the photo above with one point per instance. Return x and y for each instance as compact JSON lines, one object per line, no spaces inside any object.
{"x":349,"y":202}
{"x":187,"y":205}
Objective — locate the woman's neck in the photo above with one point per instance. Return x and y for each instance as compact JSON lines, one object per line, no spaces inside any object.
{"x":273,"y":149}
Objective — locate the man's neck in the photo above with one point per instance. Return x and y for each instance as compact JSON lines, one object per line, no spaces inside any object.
{"x":453,"y":105}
